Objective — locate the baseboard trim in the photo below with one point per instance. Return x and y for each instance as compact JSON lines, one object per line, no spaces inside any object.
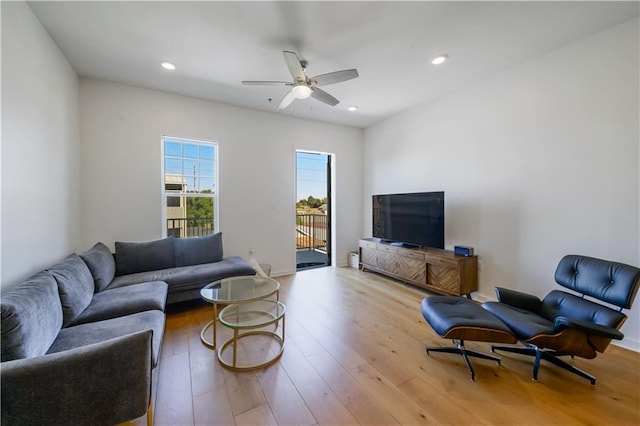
{"x":631,"y":344}
{"x":282,"y":273}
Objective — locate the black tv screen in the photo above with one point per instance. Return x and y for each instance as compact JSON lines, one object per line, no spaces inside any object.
{"x":415,"y":219}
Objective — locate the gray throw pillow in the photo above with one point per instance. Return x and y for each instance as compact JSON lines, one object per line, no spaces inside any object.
{"x":132,"y":258}
{"x":198,"y":250}
{"x":75,"y":286}
{"x":31,"y":317}
{"x":101,"y":264}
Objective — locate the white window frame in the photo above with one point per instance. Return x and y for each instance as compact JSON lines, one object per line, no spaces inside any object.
{"x":214,"y":195}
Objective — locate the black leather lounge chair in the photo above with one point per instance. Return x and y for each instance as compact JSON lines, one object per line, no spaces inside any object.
{"x":567,"y":324}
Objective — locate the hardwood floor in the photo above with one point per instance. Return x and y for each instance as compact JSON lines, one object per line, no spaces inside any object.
{"x":354,"y":354}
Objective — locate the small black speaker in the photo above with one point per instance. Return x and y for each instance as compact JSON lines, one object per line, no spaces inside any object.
{"x":463,"y":251}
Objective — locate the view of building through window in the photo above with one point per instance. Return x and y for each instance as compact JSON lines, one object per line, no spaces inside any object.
{"x":189,"y":174}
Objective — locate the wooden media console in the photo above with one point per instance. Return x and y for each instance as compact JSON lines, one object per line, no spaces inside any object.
{"x":440,"y":271}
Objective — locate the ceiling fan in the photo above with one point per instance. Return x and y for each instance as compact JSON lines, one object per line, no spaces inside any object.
{"x":302,"y":86}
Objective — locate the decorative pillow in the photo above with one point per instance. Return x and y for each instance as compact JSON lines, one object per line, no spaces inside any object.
{"x":75,"y":286}
{"x":132,"y":258}
{"x":31,"y":317}
{"x":198,"y":250}
{"x":101,"y":264}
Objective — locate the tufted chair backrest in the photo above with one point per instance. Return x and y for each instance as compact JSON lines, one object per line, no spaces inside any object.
{"x":610,"y":282}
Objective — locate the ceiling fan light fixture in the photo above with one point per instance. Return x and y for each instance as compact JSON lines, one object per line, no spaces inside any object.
{"x":353,"y":108}
{"x":439,"y":59}
{"x":303,"y":87}
{"x":168,"y":66}
{"x":301,"y":91}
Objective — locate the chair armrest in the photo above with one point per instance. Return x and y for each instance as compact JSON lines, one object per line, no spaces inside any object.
{"x":589,"y":327}
{"x":517,"y":299}
{"x":102,"y":383}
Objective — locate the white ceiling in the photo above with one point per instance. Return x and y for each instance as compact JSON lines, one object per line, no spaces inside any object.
{"x":215,"y":45}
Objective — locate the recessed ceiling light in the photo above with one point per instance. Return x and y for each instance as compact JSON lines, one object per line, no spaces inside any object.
{"x":168,"y":66}
{"x":441,"y":58}
{"x":353,"y":108}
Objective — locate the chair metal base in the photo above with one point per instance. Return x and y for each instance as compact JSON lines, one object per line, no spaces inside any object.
{"x":466,"y":353}
{"x":548,"y":355}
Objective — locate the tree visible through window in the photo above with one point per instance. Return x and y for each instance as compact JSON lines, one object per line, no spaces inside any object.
{"x":189,"y":186}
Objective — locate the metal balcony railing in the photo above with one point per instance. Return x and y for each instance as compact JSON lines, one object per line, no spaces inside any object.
{"x":311,"y":232}
{"x":311,"y":229}
{"x":189,"y":227}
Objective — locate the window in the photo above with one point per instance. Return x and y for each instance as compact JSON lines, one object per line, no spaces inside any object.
{"x":189,"y":178}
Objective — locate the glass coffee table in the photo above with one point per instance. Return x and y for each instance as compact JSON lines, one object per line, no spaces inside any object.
{"x":249,"y":307}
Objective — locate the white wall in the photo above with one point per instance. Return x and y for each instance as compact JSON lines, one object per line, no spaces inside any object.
{"x":121,"y":128}
{"x":40,"y":148}
{"x":537,"y":162}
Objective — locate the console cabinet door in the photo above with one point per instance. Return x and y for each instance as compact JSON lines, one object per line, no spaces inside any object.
{"x":388,"y":261}
{"x":369,"y":257}
{"x":412,"y":267}
{"x":444,"y":277}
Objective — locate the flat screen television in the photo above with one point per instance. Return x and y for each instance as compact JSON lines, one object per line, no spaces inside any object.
{"x":415,"y":219}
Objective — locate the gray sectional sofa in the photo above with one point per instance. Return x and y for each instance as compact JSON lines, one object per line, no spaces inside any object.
{"x":185,"y":264}
{"x":81,"y":340}
{"x":74,"y":353}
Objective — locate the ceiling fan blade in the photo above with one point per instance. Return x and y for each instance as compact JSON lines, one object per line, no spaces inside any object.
{"x":323,"y":96}
{"x":286,"y":101}
{"x":334,"y":77}
{"x":293,"y":63}
{"x":266,"y":83}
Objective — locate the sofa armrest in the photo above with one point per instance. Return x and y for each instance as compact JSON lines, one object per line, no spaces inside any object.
{"x":517,"y":299}
{"x":588,"y":327}
{"x":102,"y":383}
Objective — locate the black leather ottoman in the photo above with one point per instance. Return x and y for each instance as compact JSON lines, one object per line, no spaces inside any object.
{"x":460,"y":319}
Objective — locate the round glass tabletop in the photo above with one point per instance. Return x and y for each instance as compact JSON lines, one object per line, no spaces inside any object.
{"x":239,"y":289}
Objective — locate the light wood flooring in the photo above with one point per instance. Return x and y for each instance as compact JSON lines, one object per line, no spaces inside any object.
{"x":354,"y":354}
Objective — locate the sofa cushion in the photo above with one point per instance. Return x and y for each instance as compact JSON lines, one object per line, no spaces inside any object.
{"x":101,"y":264}
{"x":31,"y":317}
{"x":75,"y":286}
{"x":188,"y":277}
{"x":198,"y":250}
{"x":123,"y":301}
{"x":104,"y":383}
{"x":132,"y":258}
{"x":94,"y":332}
